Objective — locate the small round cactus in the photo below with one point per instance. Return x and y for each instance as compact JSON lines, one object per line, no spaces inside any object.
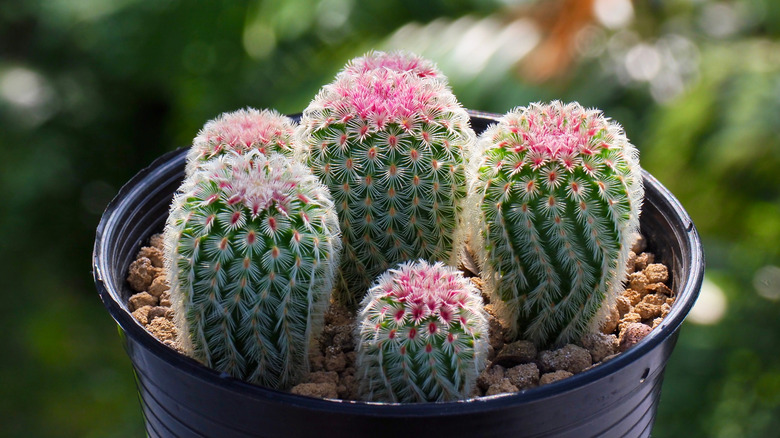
{"x":252,"y":248}
{"x":391,"y":147}
{"x":242,"y":131}
{"x":422,"y":335}
{"x":557,"y":194}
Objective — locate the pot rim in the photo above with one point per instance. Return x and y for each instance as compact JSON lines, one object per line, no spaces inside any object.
{"x":132,"y":328}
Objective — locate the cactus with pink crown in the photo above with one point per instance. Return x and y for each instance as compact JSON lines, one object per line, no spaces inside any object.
{"x":421,"y":336}
{"x":390,"y":142}
{"x":252,"y":248}
{"x":242,"y":131}
{"x":557,"y":194}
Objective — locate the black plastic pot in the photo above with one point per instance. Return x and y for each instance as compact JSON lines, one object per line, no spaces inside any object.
{"x":182,"y":398}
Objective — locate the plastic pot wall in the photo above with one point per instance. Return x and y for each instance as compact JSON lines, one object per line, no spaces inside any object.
{"x":182,"y":398}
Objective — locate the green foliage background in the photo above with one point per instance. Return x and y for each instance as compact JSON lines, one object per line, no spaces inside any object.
{"x":91,"y":91}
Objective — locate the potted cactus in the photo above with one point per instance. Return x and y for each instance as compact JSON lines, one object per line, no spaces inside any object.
{"x":558,"y":192}
{"x":254,"y":244}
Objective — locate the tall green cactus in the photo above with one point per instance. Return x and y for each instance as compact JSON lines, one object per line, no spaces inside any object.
{"x":252,"y":248}
{"x":390,"y":144}
{"x":421,"y":336}
{"x":557,"y":194}
{"x":242,"y":131}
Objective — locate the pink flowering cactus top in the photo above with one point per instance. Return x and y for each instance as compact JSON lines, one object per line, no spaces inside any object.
{"x":241,"y":131}
{"x":398,"y":61}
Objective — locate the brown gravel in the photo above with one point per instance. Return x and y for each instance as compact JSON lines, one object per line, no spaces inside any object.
{"x":512,"y":366}
{"x":554,"y":377}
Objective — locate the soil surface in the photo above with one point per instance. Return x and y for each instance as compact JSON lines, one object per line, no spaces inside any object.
{"x":512,"y":366}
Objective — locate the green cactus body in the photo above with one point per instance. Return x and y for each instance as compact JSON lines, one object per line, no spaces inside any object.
{"x":391,"y":147}
{"x":421,"y":336}
{"x":242,"y":131}
{"x":557,"y":192}
{"x":252,"y":248}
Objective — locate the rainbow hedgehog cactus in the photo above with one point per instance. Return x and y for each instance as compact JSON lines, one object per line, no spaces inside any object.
{"x":252,"y":248}
{"x":391,"y":145}
{"x":421,"y":336}
{"x":242,"y":131}
{"x":557,"y":191}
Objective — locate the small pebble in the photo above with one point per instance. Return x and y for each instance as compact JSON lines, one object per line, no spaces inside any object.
{"x":142,"y":314}
{"x":632,"y":297}
{"x":165,"y":299}
{"x":599,"y":345}
{"x":159,"y":286}
{"x":517,"y":352}
{"x":554,"y":377}
{"x":632,"y":334}
{"x":638,"y":281}
{"x":162,"y":328}
{"x":160,"y":311}
{"x":323,"y":377}
{"x":659,"y":288}
{"x":570,"y":358}
{"x":335,"y":359}
{"x":157,"y":241}
{"x":155,"y":255}
{"x":501,"y":387}
{"x":141,"y":299}
{"x":610,"y":323}
{"x":348,"y":388}
{"x":656,"y":273}
{"x":628,"y":318}
{"x":623,"y":305}
{"x":523,"y":376}
{"x":141,"y":274}
{"x":320,"y":390}
{"x":642,"y":260}
{"x":490,"y":376}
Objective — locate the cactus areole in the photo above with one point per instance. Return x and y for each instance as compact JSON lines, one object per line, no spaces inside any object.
{"x":251,"y":249}
{"x":558,"y":191}
{"x":421,"y":335}
{"x":390,"y":144}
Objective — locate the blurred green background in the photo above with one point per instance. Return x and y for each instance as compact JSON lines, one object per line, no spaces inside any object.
{"x":91,"y":91}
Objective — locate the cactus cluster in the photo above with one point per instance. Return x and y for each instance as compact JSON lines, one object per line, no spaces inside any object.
{"x":242,"y":131}
{"x":558,"y":191}
{"x":422,"y":335}
{"x":251,"y":250}
{"x":389,"y":139}
{"x":256,"y":240}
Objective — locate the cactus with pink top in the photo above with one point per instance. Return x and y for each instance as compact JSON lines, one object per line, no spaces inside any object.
{"x":557,"y":196}
{"x":242,"y":131}
{"x":390,"y":143}
{"x":421,"y":336}
{"x":252,"y":248}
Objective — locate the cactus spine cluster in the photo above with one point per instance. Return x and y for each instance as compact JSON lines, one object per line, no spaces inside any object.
{"x":252,"y":248}
{"x":390,"y":143}
{"x":421,"y":335}
{"x":558,"y":191}
{"x":242,"y":131}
